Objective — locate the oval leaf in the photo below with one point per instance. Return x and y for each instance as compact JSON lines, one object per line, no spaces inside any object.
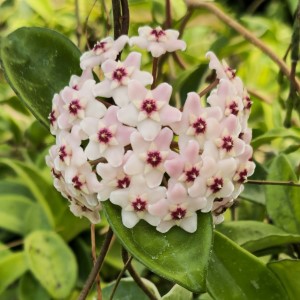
{"x":283,"y":204}
{"x":38,"y":63}
{"x":176,"y":255}
{"x":235,"y":274}
{"x":255,"y":236}
{"x":52,"y":262}
{"x":177,"y":293}
{"x":288,"y":272}
{"x":11,"y":268}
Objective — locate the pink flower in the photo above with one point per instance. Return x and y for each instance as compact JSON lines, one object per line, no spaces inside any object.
{"x":149,"y":110}
{"x":197,"y":123}
{"x":177,"y":209}
{"x":157,"y":40}
{"x":135,"y":201}
{"x":67,"y":151}
{"x":79,"y":105}
{"x":107,"y":137}
{"x":117,"y":76}
{"x":225,"y":72}
{"x":219,"y":207}
{"x":103,"y":50}
{"x":148,"y":157}
{"x":57,"y":109}
{"x":76,"y":82}
{"x":113,"y":178}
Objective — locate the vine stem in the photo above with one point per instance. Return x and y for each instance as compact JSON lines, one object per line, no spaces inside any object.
{"x":136,"y":277}
{"x":209,"y":88}
{"x":246,"y":34}
{"x":266,"y":182}
{"x":120,"y":277}
{"x":94,"y":255}
{"x":154,"y":71}
{"x":97,"y":266}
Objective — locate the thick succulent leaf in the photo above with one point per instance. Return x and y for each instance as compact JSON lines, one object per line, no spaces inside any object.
{"x":38,"y":63}
{"x":176,"y":255}
{"x":235,"y":274}
{"x":129,"y":290}
{"x":11,"y":268}
{"x":52,"y":262}
{"x":283,"y":205}
{"x":288,"y":272}
{"x":178,"y":293}
{"x":255,"y":236}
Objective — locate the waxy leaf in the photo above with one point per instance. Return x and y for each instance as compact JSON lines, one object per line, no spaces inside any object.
{"x":178,"y":293}
{"x":11,"y":268}
{"x":176,"y":255}
{"x":52,"y":262}
{"x":283,"y":205}
{"x":129,"y":290}
{"x":288,"y":272}
{"x":255,"y":236}
{"x":38,"y":63}
{"x":235,"y":274}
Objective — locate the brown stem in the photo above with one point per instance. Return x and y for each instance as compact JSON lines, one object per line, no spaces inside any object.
{"x":116,"y":7}
{"x":125,"y":17}
{"x":97,"y":266}
{"x":245,"y":33}
{"x":168,"y":22}
{"x":86,"y":25}
{"x":94,"y":255}
{"x":120,"y":277}
{"x":179,"y":62}
{"x":154,"y":71}
{"x":185,"y":21}
{"x":209,"y":88}
{"x":136,"y":276}
{"x":258,"y":95}
{"x":266,"y":182}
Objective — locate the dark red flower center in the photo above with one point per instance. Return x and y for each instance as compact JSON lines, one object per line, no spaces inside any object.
{"x":77,"y":183}
{"x":247,"y":102}
{"x":242,"y":176}
{"x":217,"y":185}
{"x":123,"y":183}
{"x":74,"y":107}
{"x":139,"y":204}
{"x":154,"y":158}
{"x":62,"y":153}
{"x":192,"y":174}
{"x":230,"y":73}
{"x":234,"y":108}
{"x":149,"y":106}
{"x":99,"y":45}
{"x":56,"y":174}
{"x":52,"y":117}
{"x":158,"y":33}
{"x":119,"y":73}
{"x":104,"y":135}
{"x":227,"y":143}
{"x":178,"y":214}
{"x":199,"y":125}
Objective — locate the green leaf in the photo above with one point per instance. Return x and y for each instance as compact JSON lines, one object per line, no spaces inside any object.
{"x":288,"y":272}
{"x":38,"y":63}
{"x":129,"y":290}
{"x":52,"y":262}
{"x":11,"y":268}
{"x":178,"y":293}
{"x":235,"y":274}
{"x":283,"y":205}
{"x":274,"y":134}
{"x":254,"y":236}
{"x":13,"y":208}
{"x":30,"y":289}
{"x":176,"y":255}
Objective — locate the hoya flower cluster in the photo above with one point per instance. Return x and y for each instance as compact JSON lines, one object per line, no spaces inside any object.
{"x":119,"y":140}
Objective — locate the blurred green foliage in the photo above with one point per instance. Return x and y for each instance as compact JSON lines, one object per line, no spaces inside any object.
{"x":30,"y":208}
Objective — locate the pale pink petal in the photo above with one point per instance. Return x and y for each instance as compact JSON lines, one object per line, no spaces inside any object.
{"x":92,"y":150}
{"x":133,"y":60}
{"x":120,"y":95}
{"x":109,"y":66}
{"x":142,"y":76}
{"x":136,"y":91}
{"x":129,"y":218}
{"x":169,"y":114}
{"x":177,"y":194}
{"x":165,"y":226}
{"x":160,"y":208}
{"x":139,"y":41}
{"x":153,"y":220}
{"x":103,"y":89}
{"x":95,"y":109}
{"x":114,"y":155}
{"x":198,"y":189}
{"x":119,"y":197}
{"x":172,"y":34}
{"x":174,"y":167}
{"x":164,"y":138}
{"x":162,"y":92}
{"x":174,"y":45}
{"x":149,"y":129}
{"x":227,"y":167}
{"x":215,"y":64}
{"x":128,"y":115}
{"x":133,"y":166}
{"x":156,"y":49}
{"x":89,"y":125}
{"x":123,"y":134}
{"x":154,"y":178}
{"x":189,"y":224}
{"x":106,"y":171}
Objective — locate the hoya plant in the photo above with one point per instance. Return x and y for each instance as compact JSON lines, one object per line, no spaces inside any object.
{"x":153,"y":165}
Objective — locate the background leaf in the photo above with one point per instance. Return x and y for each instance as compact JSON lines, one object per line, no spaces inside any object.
{"x":52,"y":262}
